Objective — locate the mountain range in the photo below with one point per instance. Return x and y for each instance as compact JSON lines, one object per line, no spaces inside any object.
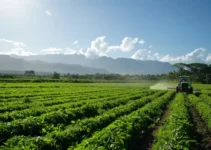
{"x":81,"y":65}
{"x":8,"y":63}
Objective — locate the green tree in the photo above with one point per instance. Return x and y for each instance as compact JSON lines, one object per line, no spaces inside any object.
{"x":30,"y":73}
{"x":198,"y":71}
{"x":56,"y":75}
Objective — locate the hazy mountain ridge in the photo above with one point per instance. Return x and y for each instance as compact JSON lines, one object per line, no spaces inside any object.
{"x":120,"y":65}
{"x":8,"y":63}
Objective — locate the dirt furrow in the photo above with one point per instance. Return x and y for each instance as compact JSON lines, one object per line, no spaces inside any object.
{"x":146,"y":143}
{"x":199,"y":129}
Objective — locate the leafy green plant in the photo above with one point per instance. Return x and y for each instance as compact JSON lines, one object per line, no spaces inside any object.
{"x":27,"y":100}
{"x":83,"y":128}
{"x":119,"y":133}
{"x":174,"y":132}
{"x":202,"y":107}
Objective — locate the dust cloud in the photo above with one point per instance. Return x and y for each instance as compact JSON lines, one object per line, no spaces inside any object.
{"x":162,"y":86}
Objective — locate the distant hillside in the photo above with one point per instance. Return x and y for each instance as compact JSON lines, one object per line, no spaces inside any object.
{"x":8,"y":63}
{"x":120,"y":65}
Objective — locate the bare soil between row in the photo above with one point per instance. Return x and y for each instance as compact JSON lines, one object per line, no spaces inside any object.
{"x":199,"y":131}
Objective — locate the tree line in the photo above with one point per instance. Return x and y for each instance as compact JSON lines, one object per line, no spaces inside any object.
{"x":199,"y":72}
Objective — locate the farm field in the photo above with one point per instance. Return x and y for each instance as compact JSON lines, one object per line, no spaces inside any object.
{"x":101,"y":116}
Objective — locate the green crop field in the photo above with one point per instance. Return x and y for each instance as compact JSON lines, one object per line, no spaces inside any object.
{"x":102,"y":116}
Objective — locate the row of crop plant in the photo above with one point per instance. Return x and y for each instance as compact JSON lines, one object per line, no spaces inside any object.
{"x":205,"y":98}
{"x":202,"y":107}
{"x":80,"y":129}
{"x":175,"y":130}
{"x":47,"y":96}
{"x":42,"y":109}
{"x":61,"y":100}
{"x":120,"y":133}
{"x":18,"y":98}
{"x":18,"y":93}
{"x":35,"y":125}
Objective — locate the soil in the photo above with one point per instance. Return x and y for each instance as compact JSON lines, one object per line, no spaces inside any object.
{"x":199,"y":130}
{"x":146,"y":143}
{"x":155,"y":131}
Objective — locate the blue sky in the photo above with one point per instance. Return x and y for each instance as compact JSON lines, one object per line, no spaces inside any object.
{"x":164,"y":30}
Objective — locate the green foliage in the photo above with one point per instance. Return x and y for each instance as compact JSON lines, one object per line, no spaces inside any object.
{"x":118,"y":134}
{"x":91,"y":116}
{"x":29,"y":73}
{"x":34,"y":125}
{"x":202,"y":107}
{"x":56,"y":75}
{"x":6,"y":76}
{"x":174,"y":132}
{"x":204,"y":97}
{"x":27,"y":100}
{"x":198,"y":71}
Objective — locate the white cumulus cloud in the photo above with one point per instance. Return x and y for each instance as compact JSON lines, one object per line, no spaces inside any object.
{"x":75,"y":42}
{"x":17,"y":51}
{"x":144,"y":54}
{"x":99,"y":45}
{"x":208,"y":58}
{"x":17,"y":44}
{"x":141,"y":41}
{"x":127,"y":45}
{"x":54,"y":50}
{"x":48,"y":12}
{"x":97,"y":48}
{"x":100,"y":48}
{"x":17,"y":48}
{"x":20,"y":51}
{"x":199,"y":55}
{"x":69,"y":51}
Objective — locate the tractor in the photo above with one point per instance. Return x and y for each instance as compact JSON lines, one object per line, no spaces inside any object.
{"x":184,"y":85}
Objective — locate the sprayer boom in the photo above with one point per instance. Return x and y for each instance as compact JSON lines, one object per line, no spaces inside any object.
{"x":170,"y":88}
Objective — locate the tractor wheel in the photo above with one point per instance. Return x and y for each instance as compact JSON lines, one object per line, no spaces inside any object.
{"x":177,"y":89}
{"x":191,"y":90}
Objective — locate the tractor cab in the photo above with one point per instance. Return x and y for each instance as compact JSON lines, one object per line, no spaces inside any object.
{"x":184,"y":84}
